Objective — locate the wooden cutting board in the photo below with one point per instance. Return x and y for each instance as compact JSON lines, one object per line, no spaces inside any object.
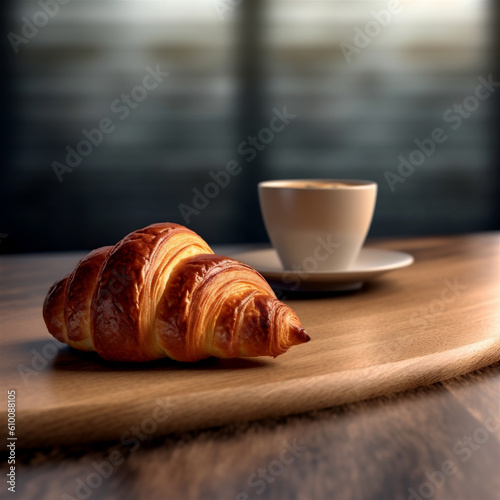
{"x":434,"y":320}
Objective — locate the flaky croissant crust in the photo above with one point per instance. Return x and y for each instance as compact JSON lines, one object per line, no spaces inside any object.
{"x":161,"y":292}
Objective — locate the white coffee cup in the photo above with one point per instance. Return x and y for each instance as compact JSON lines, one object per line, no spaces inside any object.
{"x":317,"y":224}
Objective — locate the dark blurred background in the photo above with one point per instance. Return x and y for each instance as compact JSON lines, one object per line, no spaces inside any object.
{"x":364,"y":84}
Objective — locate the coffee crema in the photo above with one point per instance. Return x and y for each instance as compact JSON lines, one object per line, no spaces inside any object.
{"x":315,"y":185}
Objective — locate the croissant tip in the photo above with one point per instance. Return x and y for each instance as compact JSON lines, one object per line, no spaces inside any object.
{"x":300,"y":336}
{"x":303,"y":336}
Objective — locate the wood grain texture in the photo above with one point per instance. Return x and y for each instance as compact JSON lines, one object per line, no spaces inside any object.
{"x":427,"y":323}
{"x":377,"y":449}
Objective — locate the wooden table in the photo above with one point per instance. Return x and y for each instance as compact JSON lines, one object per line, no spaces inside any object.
{"x":440,"y":441}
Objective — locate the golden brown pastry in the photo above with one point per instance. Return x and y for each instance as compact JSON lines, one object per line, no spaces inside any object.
{"x":162,"y":292}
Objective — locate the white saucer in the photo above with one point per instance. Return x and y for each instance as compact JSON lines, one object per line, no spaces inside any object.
{"x":371,"y":262}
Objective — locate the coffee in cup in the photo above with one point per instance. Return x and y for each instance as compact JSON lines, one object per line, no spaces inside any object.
{"x":317,"y":224}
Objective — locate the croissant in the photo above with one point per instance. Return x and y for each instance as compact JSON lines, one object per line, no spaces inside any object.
{"x":161,"y":292}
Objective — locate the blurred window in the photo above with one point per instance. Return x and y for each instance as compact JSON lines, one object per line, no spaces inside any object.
{"x":365,"y":79}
